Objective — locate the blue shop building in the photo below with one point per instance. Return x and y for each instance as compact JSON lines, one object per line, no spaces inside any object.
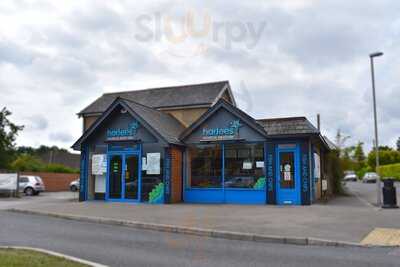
{"x":193,"y":144}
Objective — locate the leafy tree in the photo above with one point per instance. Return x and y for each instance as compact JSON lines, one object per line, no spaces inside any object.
{"x":359,"y":156}
{"x":26,"y":162}
{"x":385,"y":148}
{"x":8,"y":134}
{"x":398,"y":144}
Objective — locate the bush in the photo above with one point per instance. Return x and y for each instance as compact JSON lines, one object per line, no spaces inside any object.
{"x":26,"y":162}
{"x":59,"y":168}
{"x":335,"y":170}
{"x":385,"y":157}
{"x":391,"y":170}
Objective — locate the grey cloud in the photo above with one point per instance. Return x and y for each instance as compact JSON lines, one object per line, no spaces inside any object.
{"x":15,"y":54}
{"x":38,"y":122}
{"x":61,"y":137}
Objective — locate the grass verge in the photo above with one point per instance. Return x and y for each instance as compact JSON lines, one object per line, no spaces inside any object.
{"x":22,"y":258}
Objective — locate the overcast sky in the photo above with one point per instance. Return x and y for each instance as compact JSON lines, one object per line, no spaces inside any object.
{"x":282,"y":58}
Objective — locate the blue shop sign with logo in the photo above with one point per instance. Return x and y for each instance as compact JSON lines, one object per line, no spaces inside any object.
{"x":230,"y":132}
{"x":123,"y":133}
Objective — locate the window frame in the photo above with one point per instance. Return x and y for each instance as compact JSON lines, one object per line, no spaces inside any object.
{"x":188,"y":186}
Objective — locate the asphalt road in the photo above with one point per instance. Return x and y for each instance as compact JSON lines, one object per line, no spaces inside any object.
{"x":367,"y":192}
{"x":122,"y":246}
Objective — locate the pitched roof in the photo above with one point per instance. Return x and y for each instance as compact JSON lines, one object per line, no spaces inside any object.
{"x":231,"y":108}
{"x":288,"y":126}
{"x":163,"y":124}
{"x":164,"y":97}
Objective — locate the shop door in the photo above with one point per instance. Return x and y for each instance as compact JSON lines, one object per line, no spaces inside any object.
{"x":288,"y":180}
{"x":123,"y":177}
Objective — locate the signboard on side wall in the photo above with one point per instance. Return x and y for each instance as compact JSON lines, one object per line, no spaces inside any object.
{"x":153,"y":163}
{"x":317,"y":166}
{"x":8,"y":181}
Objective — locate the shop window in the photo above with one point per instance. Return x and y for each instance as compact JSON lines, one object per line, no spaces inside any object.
{"x":244,"y":165}
{"x":205,"y":165}
{"x":152,"y":178}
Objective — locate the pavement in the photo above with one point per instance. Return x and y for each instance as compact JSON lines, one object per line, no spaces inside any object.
{"x":346,"y":219}
{"x":124,"y":246}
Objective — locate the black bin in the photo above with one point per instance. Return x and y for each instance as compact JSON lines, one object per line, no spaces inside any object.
{"x":389,"y":194}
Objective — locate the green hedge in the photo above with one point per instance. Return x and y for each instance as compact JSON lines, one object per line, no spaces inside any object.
{"x":26,"y":162}
{"x":391,"y":170}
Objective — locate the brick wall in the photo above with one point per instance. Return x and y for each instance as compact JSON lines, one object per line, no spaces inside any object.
{"x":176,"y":175}
{"x":55,"y":182}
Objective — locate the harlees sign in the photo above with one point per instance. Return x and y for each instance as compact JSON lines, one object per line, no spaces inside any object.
{"x":230,"y":132}
{"x":123,"y":134}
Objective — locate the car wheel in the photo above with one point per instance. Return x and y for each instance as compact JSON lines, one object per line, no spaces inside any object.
{"x":29,"y":191}
{"x":74,"y":188}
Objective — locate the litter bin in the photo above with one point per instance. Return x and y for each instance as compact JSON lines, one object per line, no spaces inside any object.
{"x":389,"y":194}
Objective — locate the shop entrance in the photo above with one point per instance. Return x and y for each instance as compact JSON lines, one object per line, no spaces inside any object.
{"x":288,"y":178}
{"x":123,"y":179}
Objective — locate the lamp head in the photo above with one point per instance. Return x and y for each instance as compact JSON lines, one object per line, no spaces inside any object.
{"x":376,"y":54}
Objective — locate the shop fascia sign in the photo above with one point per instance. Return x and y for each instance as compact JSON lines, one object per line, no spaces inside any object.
{"x":226,"y":133}
{"x":123,"y":133}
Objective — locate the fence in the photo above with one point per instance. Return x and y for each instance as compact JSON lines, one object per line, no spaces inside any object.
{"x":55,"y":182}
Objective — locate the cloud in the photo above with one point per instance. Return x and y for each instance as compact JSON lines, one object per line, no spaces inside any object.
{"x":61,"y":136}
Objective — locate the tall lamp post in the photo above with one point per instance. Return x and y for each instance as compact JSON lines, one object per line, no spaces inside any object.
{"x":378,"y":181}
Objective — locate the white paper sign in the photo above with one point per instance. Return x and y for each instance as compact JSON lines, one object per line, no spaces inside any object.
{"x":247,"y":165}
{"x":260,"y":164}
{"x":153,"y":163}
{"x":100,"y":184}
{"x":287,"y":176}
{"x":144,"y":164}
{"x":317,"y":166}
{"x":324,"y":185}
{"x":8,"y":181}
{"x":99,"y":164}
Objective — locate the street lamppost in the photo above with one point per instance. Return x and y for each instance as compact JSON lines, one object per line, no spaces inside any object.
{"x":378,"y":181}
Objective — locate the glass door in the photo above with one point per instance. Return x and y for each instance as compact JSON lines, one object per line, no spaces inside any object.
{"x":123,"y":178}
{"x":287,"y":177}
{"x":115,"y":177}
{"x":131,"y":177}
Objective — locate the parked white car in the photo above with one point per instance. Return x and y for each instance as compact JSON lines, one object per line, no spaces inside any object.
{"x":30,"y":185}
{"x":74,"y":186}
{"x":350,"y":178}
{"x":370,"y":177}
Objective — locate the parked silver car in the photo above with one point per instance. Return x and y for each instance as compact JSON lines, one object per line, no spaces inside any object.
{"x":30,"y":185}
{"x":74,"y":186}
{"x":350,"y":178}
{"x":370,"y":177}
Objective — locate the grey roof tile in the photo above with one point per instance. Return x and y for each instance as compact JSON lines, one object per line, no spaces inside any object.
{"x":185,"y":95}
{"x":166,"y":125}
{"x":288,"y":126}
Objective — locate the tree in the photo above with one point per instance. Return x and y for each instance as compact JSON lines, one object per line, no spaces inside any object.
{"x":385,"y":157}
{"x":359,"y":156}
{"x":398,"y":144}
{"x":8,"y":134}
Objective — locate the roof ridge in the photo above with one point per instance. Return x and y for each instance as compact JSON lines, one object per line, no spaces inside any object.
{"x":283,"y":118}
{"x":166,"y":87}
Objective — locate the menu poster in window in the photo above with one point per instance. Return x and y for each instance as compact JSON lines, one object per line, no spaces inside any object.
{"x":153,"y":163}
{"x":247,"y":165}
{"x":259,"y":164}
{"x":99,"y":164}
